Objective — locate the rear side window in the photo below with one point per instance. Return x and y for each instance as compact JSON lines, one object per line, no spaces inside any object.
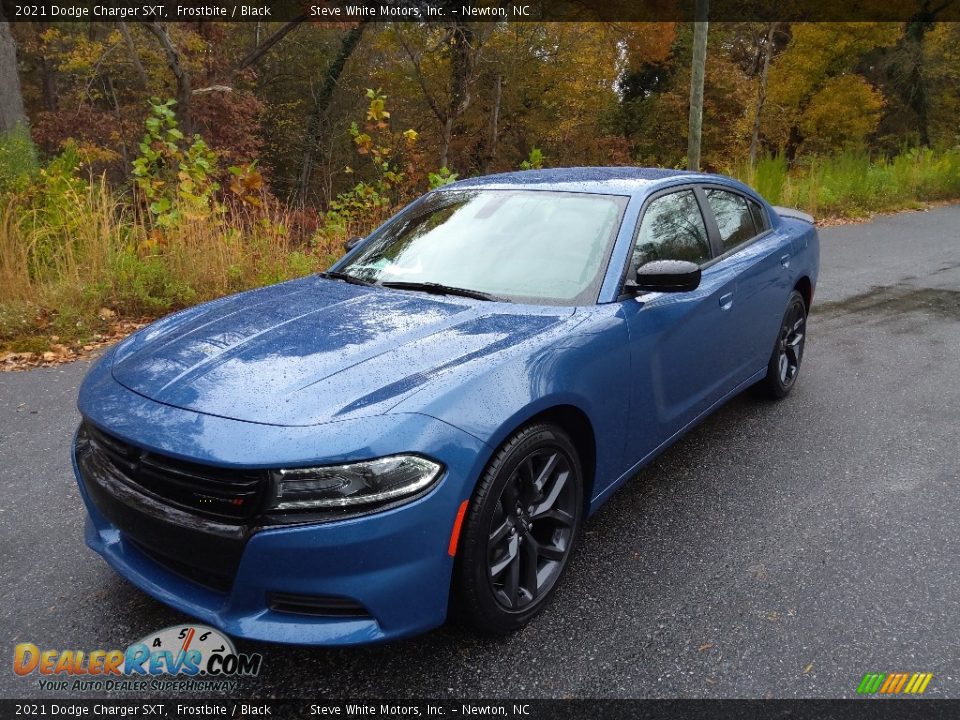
{"x":672,"y":229}
{"x":734,"y":218}
{"x":759,"y":218}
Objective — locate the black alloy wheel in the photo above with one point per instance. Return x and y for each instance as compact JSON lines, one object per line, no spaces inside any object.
{"x":520,"y":529}
{"x":787,"y":355}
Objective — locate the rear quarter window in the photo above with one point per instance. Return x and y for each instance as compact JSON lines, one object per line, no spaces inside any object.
{"x":759,"y":216}
{"x":734,"y":218}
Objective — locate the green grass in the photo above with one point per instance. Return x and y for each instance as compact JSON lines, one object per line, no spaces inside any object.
{"x":76,"y":258}
{"x":853,"y":184}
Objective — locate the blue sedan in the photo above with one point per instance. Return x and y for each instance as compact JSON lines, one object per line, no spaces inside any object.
{"x":349,"y":457}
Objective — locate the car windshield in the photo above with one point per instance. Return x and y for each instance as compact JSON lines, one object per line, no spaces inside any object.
{"x":518,"y":245}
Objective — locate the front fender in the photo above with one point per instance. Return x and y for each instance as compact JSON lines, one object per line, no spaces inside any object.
{"x":588,"y":368}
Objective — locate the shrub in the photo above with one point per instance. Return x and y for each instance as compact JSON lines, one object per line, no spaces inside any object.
{"x":176,"y":179}
{"x":18,"y":160}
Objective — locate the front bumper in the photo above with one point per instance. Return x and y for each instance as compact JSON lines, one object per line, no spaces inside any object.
{"x":394,"y":564}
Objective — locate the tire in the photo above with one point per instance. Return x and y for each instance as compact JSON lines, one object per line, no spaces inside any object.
{"x":508,"y":563}
{"x":784,"y":366}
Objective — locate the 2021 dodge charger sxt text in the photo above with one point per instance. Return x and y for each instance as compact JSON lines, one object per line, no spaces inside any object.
{"x":336,"y":459}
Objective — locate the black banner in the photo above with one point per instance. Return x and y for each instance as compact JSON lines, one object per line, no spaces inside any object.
{"x":876,"y":709}
{"x":354,"y":11}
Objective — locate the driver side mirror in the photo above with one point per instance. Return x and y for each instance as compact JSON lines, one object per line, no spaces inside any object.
{"x":667,"y":276}
{"x":352,"y":243}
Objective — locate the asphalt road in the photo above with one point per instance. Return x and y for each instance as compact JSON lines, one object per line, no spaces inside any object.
{"x":779,"y":550}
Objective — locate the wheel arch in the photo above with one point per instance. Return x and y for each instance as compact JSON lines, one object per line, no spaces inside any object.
{"x":576,"y":423}
{"x":805,"y":287}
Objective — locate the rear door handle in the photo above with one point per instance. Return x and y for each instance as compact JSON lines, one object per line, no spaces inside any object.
{"x":726,"y":301}
{"x":785,"y":260}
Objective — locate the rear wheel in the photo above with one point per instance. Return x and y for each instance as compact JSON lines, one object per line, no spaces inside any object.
{"x":784,"y":366}
{"x":520,"y":530}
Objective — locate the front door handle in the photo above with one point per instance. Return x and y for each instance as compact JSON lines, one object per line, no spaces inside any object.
{"x":726,"y":301}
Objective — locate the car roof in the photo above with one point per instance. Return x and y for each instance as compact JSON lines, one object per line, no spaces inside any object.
{"x":605,"y":180}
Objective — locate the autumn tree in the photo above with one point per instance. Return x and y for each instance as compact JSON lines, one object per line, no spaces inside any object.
{"x":443,"y":60}
{"x":656,"y":105}
{"x":810,"y":81}
{"x":321,"y":103}
{"x":768,"y":43}
{"x":942,"y":73}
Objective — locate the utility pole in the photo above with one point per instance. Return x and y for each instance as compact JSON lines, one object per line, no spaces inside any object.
{"x":701,"y":10}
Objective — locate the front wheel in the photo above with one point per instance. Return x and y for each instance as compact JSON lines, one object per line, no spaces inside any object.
{"x":520,"y":530}
{"x":784,"y":366}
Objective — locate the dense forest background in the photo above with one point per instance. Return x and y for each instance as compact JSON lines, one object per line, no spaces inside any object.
{"x":152,"y":166}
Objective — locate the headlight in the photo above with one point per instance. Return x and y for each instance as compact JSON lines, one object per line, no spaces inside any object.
{"x":361,"y":483}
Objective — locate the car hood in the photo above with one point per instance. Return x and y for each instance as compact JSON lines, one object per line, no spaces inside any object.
{"x":316,"y":350}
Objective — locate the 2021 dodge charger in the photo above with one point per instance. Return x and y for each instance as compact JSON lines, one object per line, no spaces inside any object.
{"x":346,"y":457}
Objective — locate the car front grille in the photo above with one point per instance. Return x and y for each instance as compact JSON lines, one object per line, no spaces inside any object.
{"x":218,"y":577}
{"x":194,"y":520}
{"x":232,"y":496}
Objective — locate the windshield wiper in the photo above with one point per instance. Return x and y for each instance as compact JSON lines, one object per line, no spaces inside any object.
{"x":438,"y":289}
{"x":346,"y":277}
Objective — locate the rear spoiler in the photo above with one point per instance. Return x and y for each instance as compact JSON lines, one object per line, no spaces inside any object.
{"x":793,"y":214}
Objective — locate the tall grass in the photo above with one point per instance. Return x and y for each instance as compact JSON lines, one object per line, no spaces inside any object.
{"x":65,"y":258}
{"x":853,"y":184}
{"x":70,"y":247}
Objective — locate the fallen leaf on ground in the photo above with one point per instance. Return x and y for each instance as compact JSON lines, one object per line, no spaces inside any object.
{"x":60,"y":353}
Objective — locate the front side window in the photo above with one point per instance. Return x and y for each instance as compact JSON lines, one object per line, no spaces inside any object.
{"x":672,"y":229}
{"x":518,"y":245}
{"x":733,"y":217}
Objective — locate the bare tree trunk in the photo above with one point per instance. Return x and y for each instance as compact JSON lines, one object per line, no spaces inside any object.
{"x":134,"y":55}
{"x":111,"y":91}
{"x":914,"y":32}
{"x":494,"y":125}
{"x":461,"y":71}
{"x":446,"y":134}
{"x":347,"y":45}
{"x":761,"y":93}
{"x":48,"y":72}
{"x":184,"y":90}
{"x":12,"y":113}
{"x":696,"y":84}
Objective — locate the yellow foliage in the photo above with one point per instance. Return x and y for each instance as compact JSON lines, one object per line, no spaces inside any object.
{"x":79,"y":54}
{"x":818,"y":55}
{"x":819,"y":51}
{"x":942,"y":71}
{"x":92,"y":154}
{"x":841,"y":114}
